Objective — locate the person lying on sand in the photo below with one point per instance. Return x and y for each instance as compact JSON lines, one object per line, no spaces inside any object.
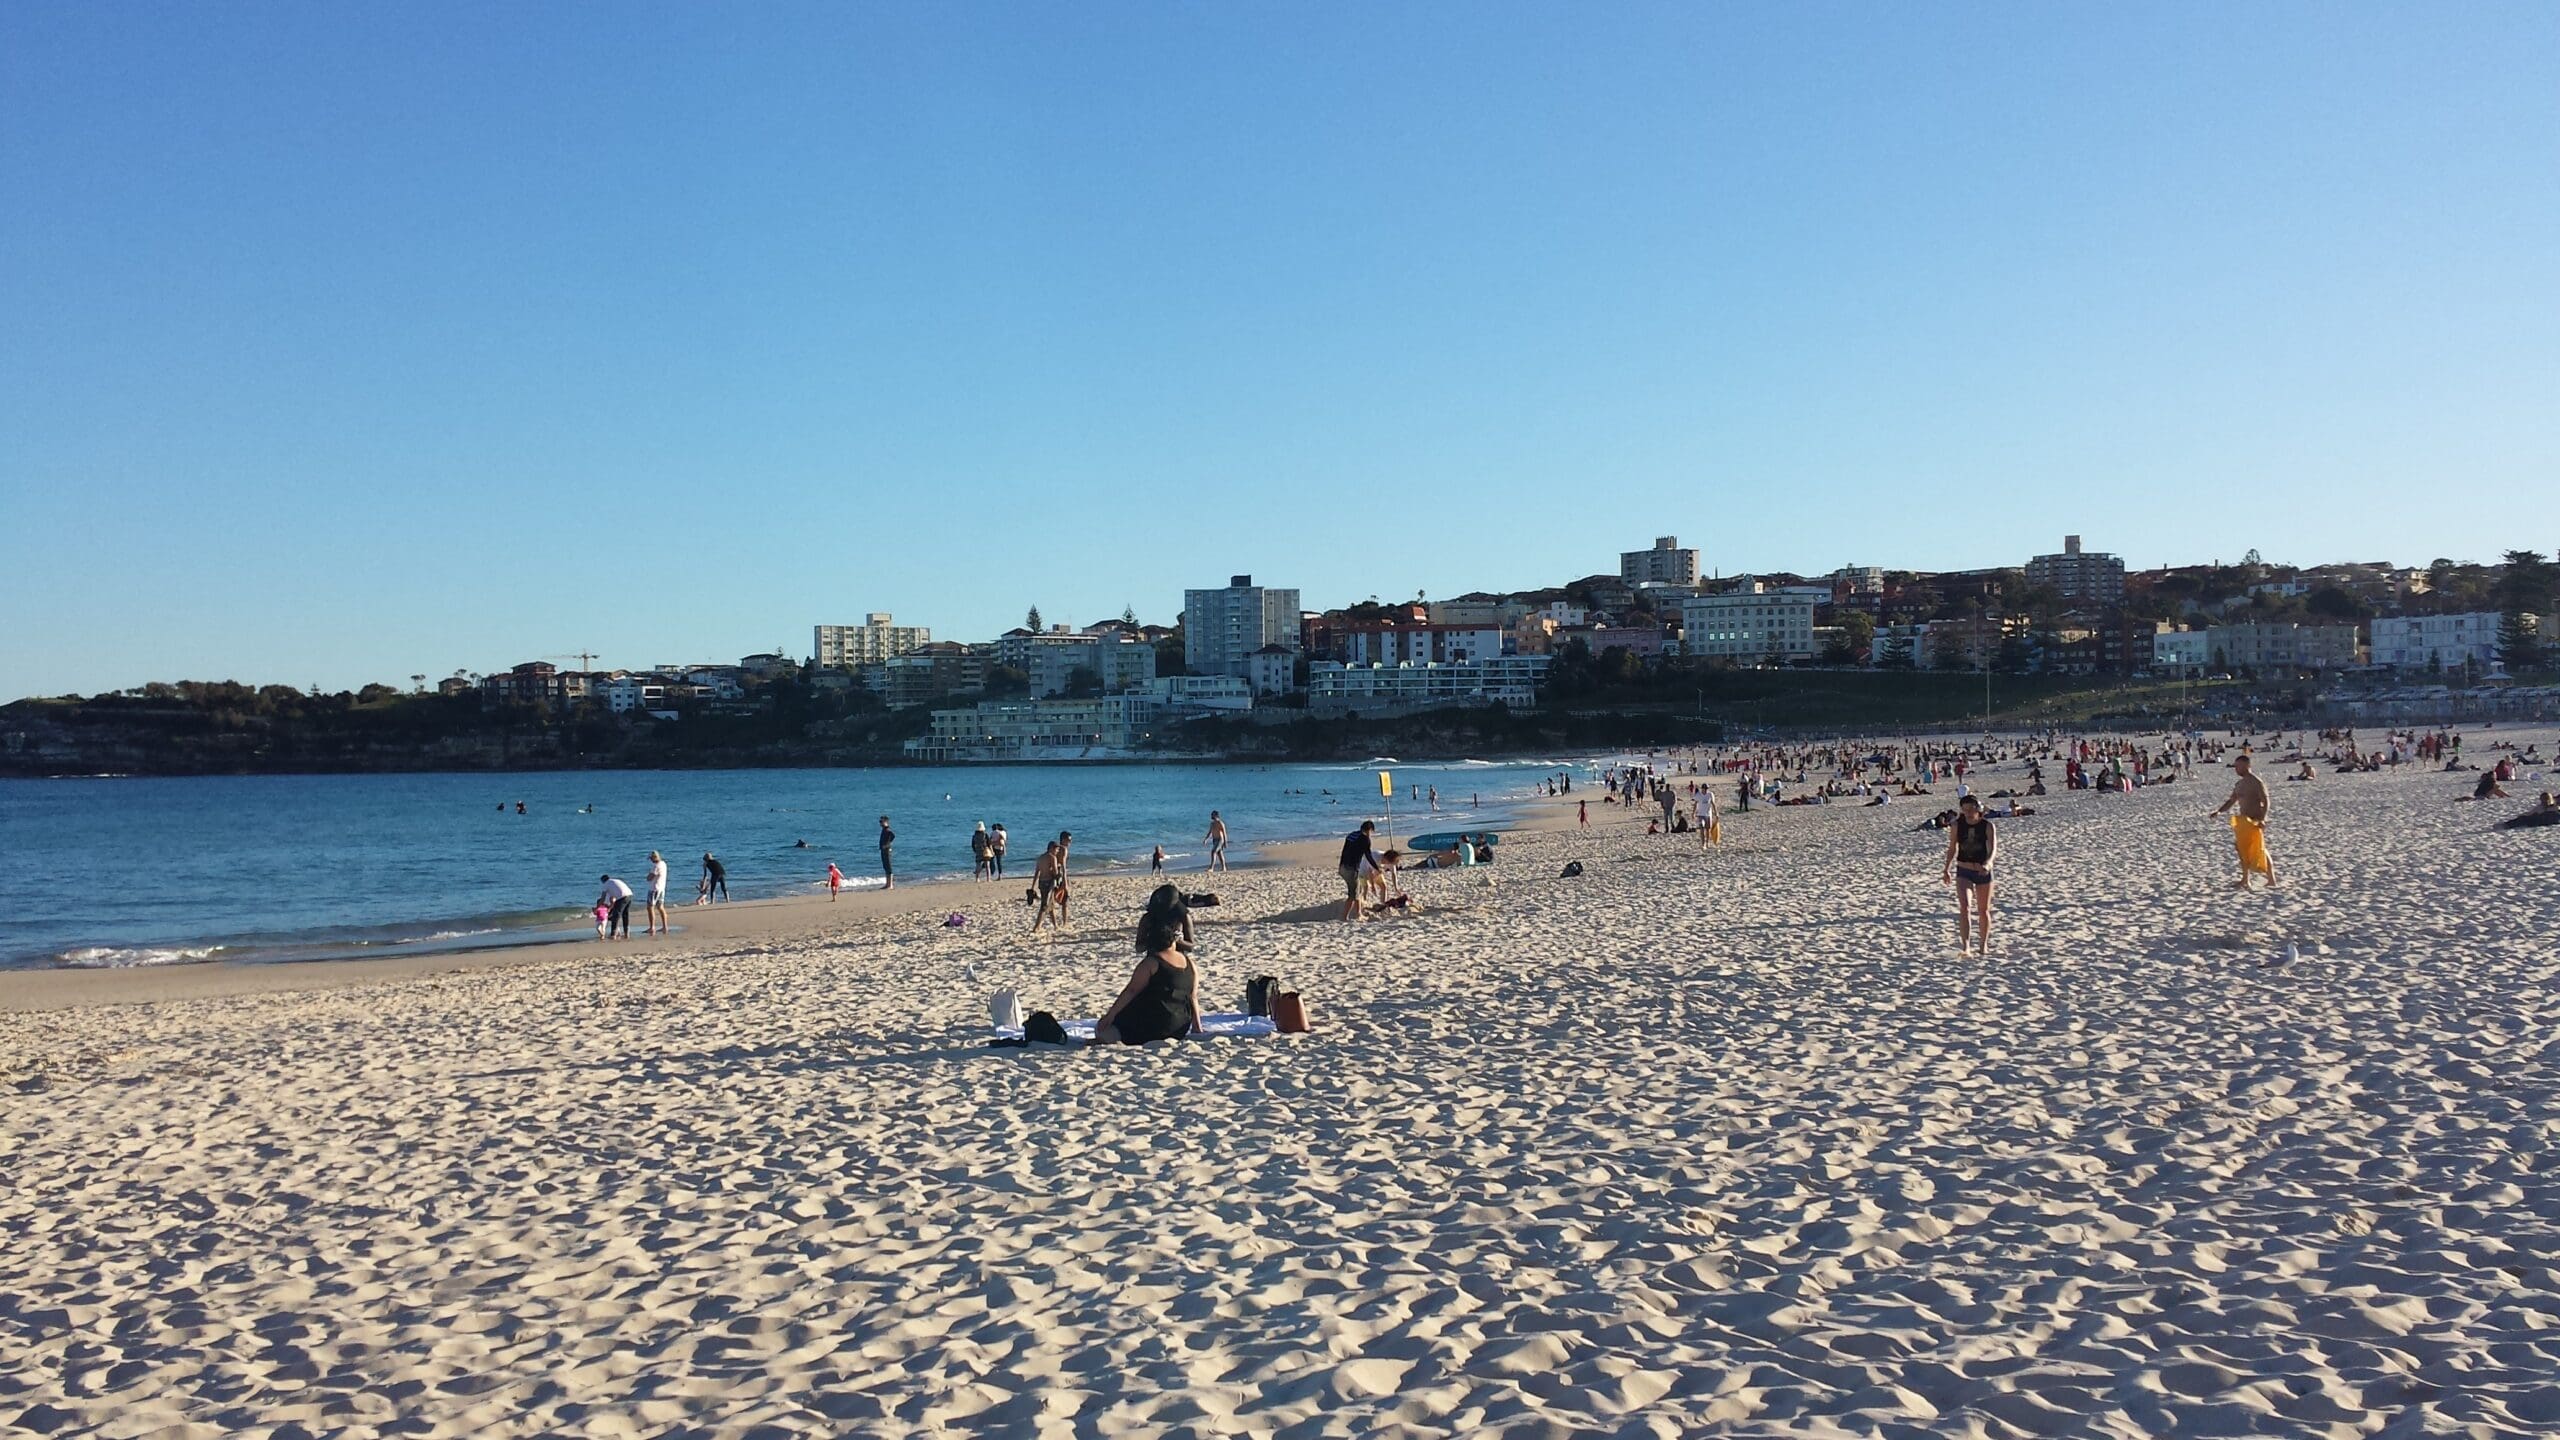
{"x":2545,"y":811}
{"x":1162,"y":998}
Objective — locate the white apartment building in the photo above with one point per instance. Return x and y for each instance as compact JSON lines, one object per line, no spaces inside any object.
{"x":1750,"y":624}
{"x":1273,"y":670}
{"x":995,"y":730}
{"x":2281,"y":645}
{"x":1511,"y":679}
{"x":2181,"y":651}
{"x":2445,"y":642}
{"x":1201,"y":693}
{"x":1119,"y":661}
{"x":842,"y":647}
{"x":1222,"y":628}
{"x":1665,"y":564}
{"x":1858,"y":580}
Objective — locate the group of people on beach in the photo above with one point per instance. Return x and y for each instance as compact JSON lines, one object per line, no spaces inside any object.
{"x":613,"y":902}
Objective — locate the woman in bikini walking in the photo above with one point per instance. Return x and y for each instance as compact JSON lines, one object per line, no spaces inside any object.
{"x":1971,"y":844}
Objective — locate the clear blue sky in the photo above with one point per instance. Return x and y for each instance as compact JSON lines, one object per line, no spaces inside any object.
{"x":340,"y":342}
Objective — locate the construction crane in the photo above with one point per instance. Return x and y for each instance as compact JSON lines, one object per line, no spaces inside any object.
{"x":585,"y":659}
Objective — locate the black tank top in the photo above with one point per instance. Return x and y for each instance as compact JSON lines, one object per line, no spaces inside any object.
{"x":1973,"y":841}
{"x":1163,"y":1008}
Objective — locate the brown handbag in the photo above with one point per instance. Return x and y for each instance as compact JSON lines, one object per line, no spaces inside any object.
{"x":1289,"y":1013}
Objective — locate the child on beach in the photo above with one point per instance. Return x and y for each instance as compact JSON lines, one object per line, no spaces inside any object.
{"x":835,"y":880}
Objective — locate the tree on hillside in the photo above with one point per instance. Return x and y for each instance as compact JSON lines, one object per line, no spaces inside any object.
{"x":1896,"y":654}
{"x":2524,"y":596}
{"x":1031,"y":622}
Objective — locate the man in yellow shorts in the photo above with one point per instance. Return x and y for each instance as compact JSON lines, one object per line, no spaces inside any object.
{"x":2248,"y":804}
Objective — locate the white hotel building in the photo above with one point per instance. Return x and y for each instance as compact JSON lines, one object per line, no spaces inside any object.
{"x":1751,"y":624}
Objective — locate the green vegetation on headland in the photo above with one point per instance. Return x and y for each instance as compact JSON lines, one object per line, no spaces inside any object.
{"x":223,"y":728}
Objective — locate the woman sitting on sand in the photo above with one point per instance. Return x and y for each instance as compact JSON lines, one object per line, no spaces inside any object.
{"x":1162,"y":1000}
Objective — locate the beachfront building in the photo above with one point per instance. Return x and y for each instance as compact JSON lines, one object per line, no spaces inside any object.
{"x":2081,"y":577}
{"x":926,"y":674}
{"x":2181,"y":652}
{"x":842,"y":647}
{"x":1665,"y":564}
{"x":1116,"y":661}
{"x":2281,"y":645}
{"x":1510,"y":679}
{"x":1101,"y":727}
{"x":1414,"y":642}
{"x":1202,"y":694}
{"x":1222,"y":628}
{"x":2436,"y":642}
{"x":1748,"y":625}
{"x":1272,"y":670}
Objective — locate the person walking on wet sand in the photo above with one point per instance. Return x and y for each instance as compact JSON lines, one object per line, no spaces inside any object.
{"x":1217,"y":838}
{"x":2248,"y":806}
{"x":715,"y":878}
{"x":995,"y":850}
{"x":835,"y":880}
{"x":1582,"y":811}
{"x":660,"y":920}
{"x":1971,"y":845}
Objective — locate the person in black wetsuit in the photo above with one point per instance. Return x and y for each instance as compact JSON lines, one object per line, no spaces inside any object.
{"x":1971,"y":844}
{"x":1163,"y":995}
{"x":715,"y":878}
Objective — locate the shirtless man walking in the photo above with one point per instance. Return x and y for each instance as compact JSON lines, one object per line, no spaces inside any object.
{"x":2248,"y":807}
{"x":1217,"y":838}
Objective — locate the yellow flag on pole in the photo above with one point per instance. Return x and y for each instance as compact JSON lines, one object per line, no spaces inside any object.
{"x":1386,"y":782}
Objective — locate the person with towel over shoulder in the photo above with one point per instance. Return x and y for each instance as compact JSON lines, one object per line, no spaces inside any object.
{"x":1162,"y":999}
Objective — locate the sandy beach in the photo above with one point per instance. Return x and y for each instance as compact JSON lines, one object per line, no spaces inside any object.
{"x":1699,"y":1141}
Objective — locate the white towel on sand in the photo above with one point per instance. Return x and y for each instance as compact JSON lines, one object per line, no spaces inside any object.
{"x":1212,"y":1027}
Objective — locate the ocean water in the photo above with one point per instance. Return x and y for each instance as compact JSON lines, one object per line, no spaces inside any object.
{"x":97,"y":872}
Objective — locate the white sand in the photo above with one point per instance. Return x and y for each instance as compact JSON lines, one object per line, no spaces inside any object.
{"x":1729,"y":1142}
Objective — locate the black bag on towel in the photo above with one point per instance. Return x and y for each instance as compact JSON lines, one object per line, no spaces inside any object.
{"x":1258,"y":992}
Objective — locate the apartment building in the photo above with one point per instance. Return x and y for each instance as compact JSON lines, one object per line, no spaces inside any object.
{"x":1222,"y":628}
{"x":2081,"y":577}
{"x":877,"y":638}
{"x":1750,"y":624}
{"x":1665,"y":564}
{"x":2436,"y":642}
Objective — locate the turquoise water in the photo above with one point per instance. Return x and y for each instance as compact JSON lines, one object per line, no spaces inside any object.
{"x":172,"y":871}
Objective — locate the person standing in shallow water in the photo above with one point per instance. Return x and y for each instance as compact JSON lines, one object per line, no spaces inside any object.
{"x":888,"y":871}
{"x":1971,"y":846}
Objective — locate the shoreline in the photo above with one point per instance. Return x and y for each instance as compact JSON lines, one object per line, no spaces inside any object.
{"x":702,"y":931}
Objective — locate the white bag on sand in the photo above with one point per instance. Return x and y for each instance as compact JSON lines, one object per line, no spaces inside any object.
{"x":1005,"y":1011}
